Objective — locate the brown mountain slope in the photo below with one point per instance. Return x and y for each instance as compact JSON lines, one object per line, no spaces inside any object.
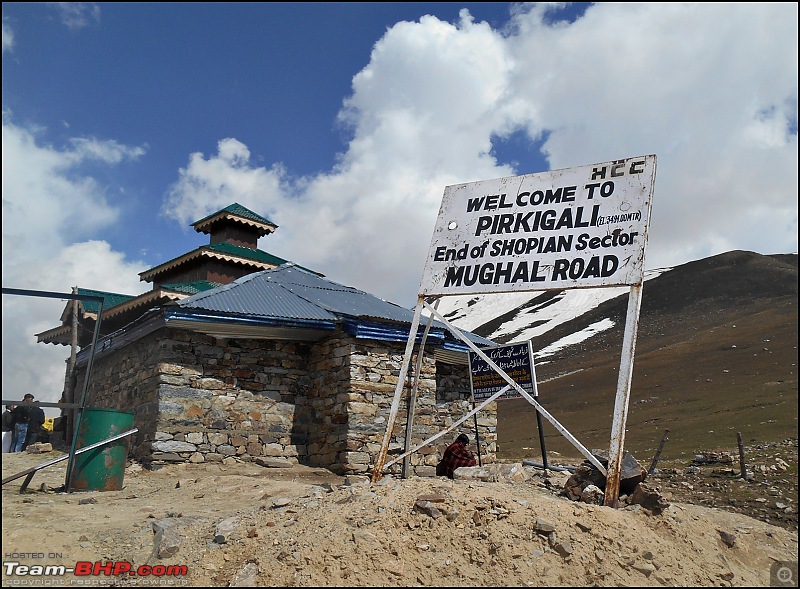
{"x":716,"y":354}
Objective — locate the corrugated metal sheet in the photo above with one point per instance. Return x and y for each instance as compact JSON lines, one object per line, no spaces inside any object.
{"x":337,"y":298}
{"x":291,"y":293}
{"x":288,"y":302}
{"x":235,"y":329}
{"x":389,"y":331}
{"x":110,"y":299}
{"x":258,"y":295}
{"x":191,"y":288}
{"x":245,"y":252}
{"x":239,"y":210}
{"x":294,"y":293}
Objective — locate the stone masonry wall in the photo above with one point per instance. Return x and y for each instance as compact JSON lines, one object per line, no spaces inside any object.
{"x":196,"y":398}
{"x":442,"y":398}
{"x":127,"y":381}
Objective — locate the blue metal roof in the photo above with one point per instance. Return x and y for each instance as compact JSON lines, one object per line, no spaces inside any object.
{"x":291,"y":293}
{"x":260,"y":295}
{"x":337,"y":298}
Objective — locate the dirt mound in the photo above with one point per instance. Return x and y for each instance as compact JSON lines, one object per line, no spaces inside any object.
{"x":245,"y":525}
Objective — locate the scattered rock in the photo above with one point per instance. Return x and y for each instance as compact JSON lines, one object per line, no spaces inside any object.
{"x":649,"y":498}
{"x":271,"y":462}
{"x":543,"y":526}
{"x":563,"y":548}
{"x":225,"y":530}
{"x":246,"y":577}
{"x":432,"y":498}
{"x":320,"y":533}
{"x":713,"y":458}
{"x":727,"y":538}
{"x":166,"y":539}
{"x":631,"y":474}
{"x":427,"y":508}
{"x":592,"y":494}
{"x":133,"y":467}
{"x":585,"y":474}
{"x":645,"y":568}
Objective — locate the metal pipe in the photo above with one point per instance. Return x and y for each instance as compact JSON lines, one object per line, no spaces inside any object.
{"x":380,"y":459}
{"x":527,"y":462}
{"x":412,"y":401}
{"x":617,"y":447}
{"x":84,"y":393}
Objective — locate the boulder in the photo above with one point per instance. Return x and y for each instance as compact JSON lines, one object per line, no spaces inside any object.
{"x":632,"y":473}
{"x":586,"y":474}
{"x":648,"y":498}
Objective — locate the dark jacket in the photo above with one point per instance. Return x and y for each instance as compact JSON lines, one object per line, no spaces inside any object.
{"x":30,"y":414}
{"x":8,"y":421}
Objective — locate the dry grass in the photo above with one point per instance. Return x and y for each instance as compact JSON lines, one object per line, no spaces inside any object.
{"x":737,"y":375}
{"x":713,"y":358}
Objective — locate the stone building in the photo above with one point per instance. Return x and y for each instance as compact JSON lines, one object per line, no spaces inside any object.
{"x":238,"y":353}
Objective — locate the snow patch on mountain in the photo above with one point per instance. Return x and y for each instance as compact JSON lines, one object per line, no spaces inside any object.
{"x":525,"y":315}
{"x":574,"y":338}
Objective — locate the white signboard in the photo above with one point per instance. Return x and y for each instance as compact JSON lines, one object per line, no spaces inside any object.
{"x":577,"y":227}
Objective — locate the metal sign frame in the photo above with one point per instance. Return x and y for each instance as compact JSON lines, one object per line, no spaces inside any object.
{"x":460,"y":266}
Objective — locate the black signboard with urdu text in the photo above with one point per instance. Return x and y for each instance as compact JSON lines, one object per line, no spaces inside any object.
{"x":516,"y":360}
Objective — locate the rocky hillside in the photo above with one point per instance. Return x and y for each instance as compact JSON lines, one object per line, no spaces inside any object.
{"x":242,"y":525}
{"x":716,"y":356}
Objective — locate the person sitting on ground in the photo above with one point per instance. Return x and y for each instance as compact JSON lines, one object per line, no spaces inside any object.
{"x":455,"y":455}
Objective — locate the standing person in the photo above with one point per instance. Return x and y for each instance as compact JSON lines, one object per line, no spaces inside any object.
{"x":22,"y":416}
{"x":34,"y":425}
{"x":8,"y":428}
{"x":455,"y":455}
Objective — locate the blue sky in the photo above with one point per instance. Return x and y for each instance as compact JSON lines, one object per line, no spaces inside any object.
{"x":175,"y":79}
{"x":123,"y":123}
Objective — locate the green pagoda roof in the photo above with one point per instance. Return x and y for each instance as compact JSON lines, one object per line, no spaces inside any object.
{"x":238,"y":213}
{"x":110,"y":299}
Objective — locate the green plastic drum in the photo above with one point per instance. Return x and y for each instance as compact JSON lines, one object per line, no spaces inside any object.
{"x":102,"y":468}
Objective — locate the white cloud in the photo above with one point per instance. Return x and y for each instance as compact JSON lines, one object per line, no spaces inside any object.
{"x":710,"y":89}
{"x":110,"y":152}
{"x":76,"y":15}
{"x":47,"y":202}
{"x":8,"y":37}
{"x":207,"y":185}
{"x":50,"y":208}
{"x":368,"y":222}
{"x":710,"y":92}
